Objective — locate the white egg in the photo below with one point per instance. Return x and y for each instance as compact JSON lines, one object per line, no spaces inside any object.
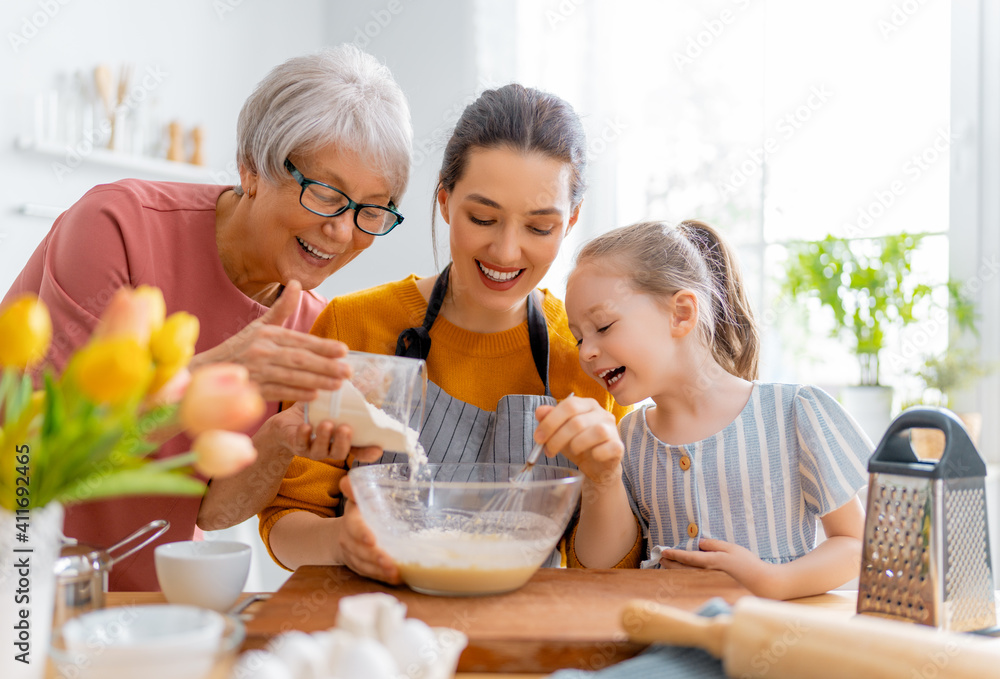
{"x":367,"y":659}
{"x":304,"y":655}
{"x":373,"y":615}
{"x":335,"y":642}
{"x":260,"y":665}
{"x":414,"y":647}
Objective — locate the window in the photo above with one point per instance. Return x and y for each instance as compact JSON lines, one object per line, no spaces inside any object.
{"x":773,"y":121}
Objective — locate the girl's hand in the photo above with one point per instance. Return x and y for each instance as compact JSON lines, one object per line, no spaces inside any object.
{"x":288,"y":432}
{"x":739,"y":562}
{"x":586,"y":434}
{"x":287,"y":365}
{"x":358,"y":549}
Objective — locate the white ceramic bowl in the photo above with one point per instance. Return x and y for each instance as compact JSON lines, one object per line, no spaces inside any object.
{"x":210,"y":574}
{"x":148,"y":642}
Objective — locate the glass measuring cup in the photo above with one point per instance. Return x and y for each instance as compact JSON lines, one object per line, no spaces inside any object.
{"x":383,"y":401}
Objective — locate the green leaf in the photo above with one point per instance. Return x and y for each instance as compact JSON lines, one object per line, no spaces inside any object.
{"x":55,"y":409}
{"x":18,"y":396}
{"x":7,"y":378}
{"x":157,"y":417}
{"x":132,"y":482}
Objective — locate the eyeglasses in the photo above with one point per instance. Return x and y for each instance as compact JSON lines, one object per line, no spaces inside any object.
{"x":326,"y":201}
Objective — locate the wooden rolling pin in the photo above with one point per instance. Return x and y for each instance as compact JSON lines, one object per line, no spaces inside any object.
{"x":764,"y":638}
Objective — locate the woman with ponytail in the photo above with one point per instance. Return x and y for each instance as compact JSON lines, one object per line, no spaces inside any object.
{"x":497,"y":347}
{"x":721,"y":471}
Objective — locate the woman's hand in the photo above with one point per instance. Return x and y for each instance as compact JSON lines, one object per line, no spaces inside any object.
{"x":287,"y":365}
{"x":358,"y":549}
{"x":287,"y":432}
{"x":586,"y":434}
{"x":231,"y":500}
{"x":745,"y":566}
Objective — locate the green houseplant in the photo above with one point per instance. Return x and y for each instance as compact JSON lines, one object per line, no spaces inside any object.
{"x":869,"y":286}
{"x":941,"y":375}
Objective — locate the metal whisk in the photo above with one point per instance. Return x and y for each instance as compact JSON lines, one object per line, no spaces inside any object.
{"x":512,"y":499}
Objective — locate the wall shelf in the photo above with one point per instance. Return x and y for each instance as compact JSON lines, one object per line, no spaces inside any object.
{"x":49,"y":212}
{"x":158,"y":168}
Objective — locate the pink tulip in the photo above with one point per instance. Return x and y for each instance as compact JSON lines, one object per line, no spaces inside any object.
{"x":171,"y":392}
{"x":222,"y":453}
{"x":221,"y":396}
{"x":132,"y":313}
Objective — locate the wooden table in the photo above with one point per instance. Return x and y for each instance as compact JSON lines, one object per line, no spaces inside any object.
{"x":560,"y":618}
{"x":685,"y":589}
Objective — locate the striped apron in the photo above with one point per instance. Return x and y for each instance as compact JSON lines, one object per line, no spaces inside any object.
{"x":455,"y":431}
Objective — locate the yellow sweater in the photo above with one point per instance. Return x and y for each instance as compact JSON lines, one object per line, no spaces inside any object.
{"x":477,"y":368}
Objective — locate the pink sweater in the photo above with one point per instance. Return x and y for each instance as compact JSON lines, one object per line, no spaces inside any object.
{"x":135,"y":232}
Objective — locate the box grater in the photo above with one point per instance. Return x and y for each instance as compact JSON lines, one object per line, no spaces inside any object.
{"x":926,"y":551}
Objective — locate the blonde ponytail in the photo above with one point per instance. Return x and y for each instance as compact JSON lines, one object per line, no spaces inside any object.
{"x":736,"y":340}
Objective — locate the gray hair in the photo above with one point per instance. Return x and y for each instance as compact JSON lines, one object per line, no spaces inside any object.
{"x":339,"y":95}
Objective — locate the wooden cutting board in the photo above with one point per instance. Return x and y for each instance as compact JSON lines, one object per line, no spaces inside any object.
{"x":562,"y":618}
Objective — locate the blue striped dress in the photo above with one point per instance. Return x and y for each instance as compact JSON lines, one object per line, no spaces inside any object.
{"x":792,"y":455}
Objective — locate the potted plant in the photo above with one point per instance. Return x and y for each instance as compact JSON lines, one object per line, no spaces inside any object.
{"x":941,"y":376}
{"x":869,"y":286}
{"x":92,"y":432}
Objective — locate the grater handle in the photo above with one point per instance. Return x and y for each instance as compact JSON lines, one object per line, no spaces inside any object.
{"x":894,"y":454}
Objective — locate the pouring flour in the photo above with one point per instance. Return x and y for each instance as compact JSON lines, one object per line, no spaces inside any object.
{"x":396,"y":384}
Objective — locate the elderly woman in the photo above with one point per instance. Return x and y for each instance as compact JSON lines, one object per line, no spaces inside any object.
{"x":323,"y":155}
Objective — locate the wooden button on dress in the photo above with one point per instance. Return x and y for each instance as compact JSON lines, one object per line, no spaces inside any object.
{"x":693,"y":530}
{"x":685,"y":462}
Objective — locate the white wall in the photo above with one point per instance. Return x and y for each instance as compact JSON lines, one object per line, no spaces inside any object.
{"x":208,"y":55}
{"x":428,"y":47}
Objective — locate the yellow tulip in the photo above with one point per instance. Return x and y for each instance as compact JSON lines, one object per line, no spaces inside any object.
{"x":173,"y":344}
{"x":25,"y":332}
{"x":113,"y":370}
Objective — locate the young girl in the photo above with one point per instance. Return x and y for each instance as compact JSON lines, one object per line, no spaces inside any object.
{"x":722,"y":471}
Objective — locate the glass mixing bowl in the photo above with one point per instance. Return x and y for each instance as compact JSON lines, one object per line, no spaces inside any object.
{"x":436,"y":530}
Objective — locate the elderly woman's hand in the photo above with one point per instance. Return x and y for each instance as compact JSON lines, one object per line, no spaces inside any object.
{"x":286,"y":364}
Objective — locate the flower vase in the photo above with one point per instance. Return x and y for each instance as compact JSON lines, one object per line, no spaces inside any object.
{"x":30,"y":542}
